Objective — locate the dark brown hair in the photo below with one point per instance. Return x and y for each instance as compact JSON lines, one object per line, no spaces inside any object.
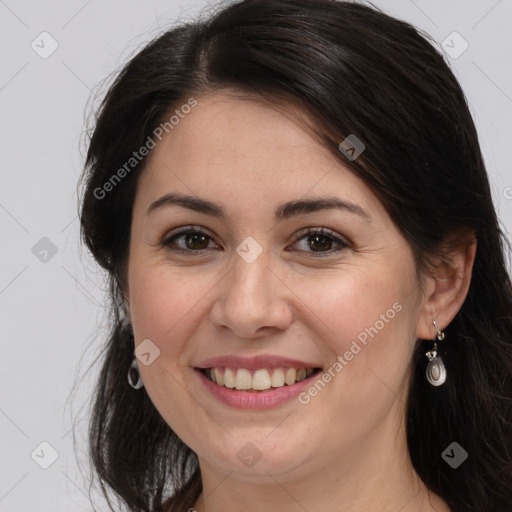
{"x":352,"y":70}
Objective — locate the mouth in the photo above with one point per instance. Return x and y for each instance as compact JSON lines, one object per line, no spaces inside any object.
{"x":261,"y":380}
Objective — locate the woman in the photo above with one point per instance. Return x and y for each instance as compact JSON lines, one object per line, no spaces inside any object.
{"x":310,"y":304}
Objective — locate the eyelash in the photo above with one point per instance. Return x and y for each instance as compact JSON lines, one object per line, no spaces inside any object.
{"x":309,"y":231}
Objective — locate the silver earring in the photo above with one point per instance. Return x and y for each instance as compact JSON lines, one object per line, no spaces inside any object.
{"x":436,"y":371}
{"x":134,"y":376}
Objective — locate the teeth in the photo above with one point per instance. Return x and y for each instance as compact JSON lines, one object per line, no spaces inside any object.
{"x":219,"y":378}
{"x":290,"y":376}
{"x":260,"y":380}
{"x":229,"y":378}
{"x":243,"y":379}
{"x":301,"y":374}
{"x":277,"y":379}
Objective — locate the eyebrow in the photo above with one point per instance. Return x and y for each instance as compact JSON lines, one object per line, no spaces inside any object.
{"x":282,"y":212}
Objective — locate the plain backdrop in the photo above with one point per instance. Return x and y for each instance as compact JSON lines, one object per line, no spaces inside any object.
{"x":51,"y":292}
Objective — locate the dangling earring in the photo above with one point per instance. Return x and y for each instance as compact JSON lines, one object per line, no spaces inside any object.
{"x":436,"y":371}
{"x":134,"y":376}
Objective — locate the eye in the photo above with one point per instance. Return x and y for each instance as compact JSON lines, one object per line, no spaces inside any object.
{"x":194,"y":240}
{"x":319,"y":240}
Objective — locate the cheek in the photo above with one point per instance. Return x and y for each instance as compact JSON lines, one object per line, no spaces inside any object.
{"x":367,"y":319}
{"x":354,"y":303}
{"x":167,"y":305}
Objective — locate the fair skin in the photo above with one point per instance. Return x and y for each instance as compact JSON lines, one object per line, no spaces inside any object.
{"x":345,"y":449}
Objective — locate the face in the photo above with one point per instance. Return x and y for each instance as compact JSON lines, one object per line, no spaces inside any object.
{"x":342,"y":297}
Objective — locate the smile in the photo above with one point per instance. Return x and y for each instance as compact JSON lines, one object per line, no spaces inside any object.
{"x":259,"y":380}
{"x":261,"y":388}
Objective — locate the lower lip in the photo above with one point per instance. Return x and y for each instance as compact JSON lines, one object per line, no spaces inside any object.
{"x":256,"y":400}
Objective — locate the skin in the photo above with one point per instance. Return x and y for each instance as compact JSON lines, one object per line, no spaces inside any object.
{"x":346,"y":449}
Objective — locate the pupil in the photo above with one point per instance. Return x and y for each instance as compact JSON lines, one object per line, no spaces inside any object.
{"x":321,"y":237}
{"x":194,"y":237}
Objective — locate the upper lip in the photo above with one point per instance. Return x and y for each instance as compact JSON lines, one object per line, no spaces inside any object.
{"x":255,"y":362}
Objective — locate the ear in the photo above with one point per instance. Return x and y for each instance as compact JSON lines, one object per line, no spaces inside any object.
{"x":447,"y":285}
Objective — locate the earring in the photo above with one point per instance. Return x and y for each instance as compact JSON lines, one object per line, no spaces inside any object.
{"x":134,"y":376}
{"x":436,"y":371}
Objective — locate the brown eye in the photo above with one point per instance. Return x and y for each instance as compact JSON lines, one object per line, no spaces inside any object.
{"x":196,"y":241}
{"x":320,"y":241}
{"x":191,"y":240}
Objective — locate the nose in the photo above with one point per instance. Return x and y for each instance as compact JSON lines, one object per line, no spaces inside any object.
{"x":252,"y":300}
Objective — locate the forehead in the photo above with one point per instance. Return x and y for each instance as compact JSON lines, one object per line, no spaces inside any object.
{"x":243,"y":152}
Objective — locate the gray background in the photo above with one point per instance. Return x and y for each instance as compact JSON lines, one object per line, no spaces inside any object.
{"x":51,"y":313}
